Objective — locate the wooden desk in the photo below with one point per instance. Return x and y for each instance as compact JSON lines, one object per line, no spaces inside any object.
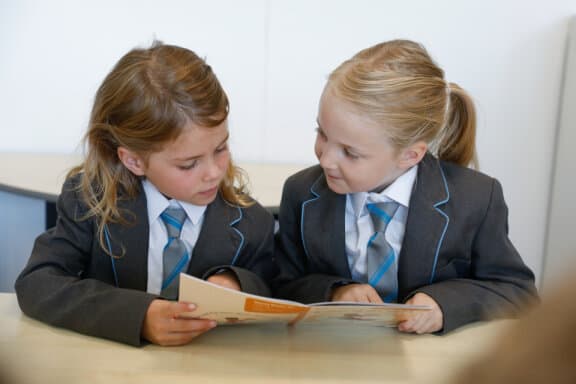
{"x":32,"y":352}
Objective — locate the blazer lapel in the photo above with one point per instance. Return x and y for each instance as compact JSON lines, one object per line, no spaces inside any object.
{"x":425,"y":227}
{"x":132,"y":268}
{"x":219,"y":241}
{"x":323,"y":228}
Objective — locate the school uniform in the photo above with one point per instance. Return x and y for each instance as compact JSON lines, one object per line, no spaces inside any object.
{"x":455,"y":247}
{"x":71,"y":282}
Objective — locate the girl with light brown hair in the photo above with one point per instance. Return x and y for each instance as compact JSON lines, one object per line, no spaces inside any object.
{"x":157,"y":194}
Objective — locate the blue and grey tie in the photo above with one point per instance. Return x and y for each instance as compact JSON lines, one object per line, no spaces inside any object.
{"x":175,"y":254}
{"x":382,"y":265}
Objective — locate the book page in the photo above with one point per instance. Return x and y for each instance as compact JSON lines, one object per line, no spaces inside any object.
{"x":228,"y":306}
{"x":384,"y":315}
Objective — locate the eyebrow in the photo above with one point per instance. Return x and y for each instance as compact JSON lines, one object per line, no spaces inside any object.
{"x":345,"y":146}
{"x":199,"y":156}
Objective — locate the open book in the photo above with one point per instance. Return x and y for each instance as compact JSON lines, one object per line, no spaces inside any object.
{"x":228,"y":306}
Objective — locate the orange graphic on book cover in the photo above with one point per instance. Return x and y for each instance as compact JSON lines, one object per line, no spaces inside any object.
{"x":263,"y":306}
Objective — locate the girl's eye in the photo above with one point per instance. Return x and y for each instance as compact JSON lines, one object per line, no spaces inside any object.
{"x":222,"y":148}
{"x":189,"y":166}
{"x":350,"y":155}
{"x":320,"y":133}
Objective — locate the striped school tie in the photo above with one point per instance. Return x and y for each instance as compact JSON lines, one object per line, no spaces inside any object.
{"x":175,"y":255}
{"x":382,"y":264}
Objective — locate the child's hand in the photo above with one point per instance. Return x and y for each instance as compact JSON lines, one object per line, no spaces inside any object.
{"x":225,"y":279}
{"x":359,"y":293}
{"x":427,"y":322}
{"x":163,"y":326}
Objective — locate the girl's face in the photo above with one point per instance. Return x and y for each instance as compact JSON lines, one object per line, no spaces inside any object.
{"x":189,"y":168}
{"x":353,"y":151}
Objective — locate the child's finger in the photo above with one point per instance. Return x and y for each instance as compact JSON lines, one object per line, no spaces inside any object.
{"x":191,"y":325}
{"x":411,"y":325}
{"x":404,"y":326}
{"x":374,"y":297}
{"x":422,"y":324}
{"x":181,"y":307}
{"x":178,"y":338}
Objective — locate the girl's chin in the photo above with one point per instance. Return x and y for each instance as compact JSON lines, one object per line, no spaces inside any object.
{"x":337,"y":187}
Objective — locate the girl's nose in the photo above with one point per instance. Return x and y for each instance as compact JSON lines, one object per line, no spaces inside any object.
{"x":327,"y":158}
{"x":213,"y":171}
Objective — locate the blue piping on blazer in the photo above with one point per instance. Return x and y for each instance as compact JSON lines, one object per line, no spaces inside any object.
{"x":436,"y":207}
{"x":239,"y":234}
{"x":107,"y":235}
{"x":109,"y":245}
{"x":445,"y":225}
{"x":316,"y":196}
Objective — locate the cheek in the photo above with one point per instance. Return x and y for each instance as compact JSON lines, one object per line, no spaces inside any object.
{"x":358,"y":178}
{"x":224,"y":160}
{"x":318,"y":148}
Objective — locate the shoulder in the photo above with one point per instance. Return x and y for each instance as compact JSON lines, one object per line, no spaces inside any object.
{"x":463,"y":174}
{"x":465,"y":178}
{"x":71,"y":206}
{"x":304,"y":179}
{"x":255,"y":221}
{"x":478,"y":188}
{"x":71,"y":195}
{"x":306,"y":176}
{"x":257,"y":213}
{"x":299,"y":186}
{"x":252,"y":214}
{"x":72,"y":183}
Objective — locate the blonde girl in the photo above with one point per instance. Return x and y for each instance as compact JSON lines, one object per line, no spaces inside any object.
{"x":393,"y":132}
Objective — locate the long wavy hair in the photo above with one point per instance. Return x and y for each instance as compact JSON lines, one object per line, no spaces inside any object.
{"x":142,"y":104}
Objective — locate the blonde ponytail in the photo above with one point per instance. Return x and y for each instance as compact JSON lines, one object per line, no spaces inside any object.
{"x":456,"y":141}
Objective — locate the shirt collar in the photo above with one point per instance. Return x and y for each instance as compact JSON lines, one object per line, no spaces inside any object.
{"x":157,"y":203}
{"x":399,"y":191}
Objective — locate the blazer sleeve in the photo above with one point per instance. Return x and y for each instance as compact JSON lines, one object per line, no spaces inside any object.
{"x":499,"y":285}
{"x":52,"y":287}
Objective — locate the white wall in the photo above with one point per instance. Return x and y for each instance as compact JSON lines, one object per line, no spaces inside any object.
{"x":560,"y":263}
{"x":273,"y":57}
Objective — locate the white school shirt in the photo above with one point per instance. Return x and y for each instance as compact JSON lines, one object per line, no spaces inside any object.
{"x":158,"y":236}
{"x":359,"y":227}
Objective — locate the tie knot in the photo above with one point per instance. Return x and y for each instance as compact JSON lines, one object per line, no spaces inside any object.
{"x":381,"y":214}
{"x":173,"y":219}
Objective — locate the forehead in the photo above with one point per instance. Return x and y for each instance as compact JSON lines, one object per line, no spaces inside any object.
{"x":195,"y":140}
{"x":344,"y":124}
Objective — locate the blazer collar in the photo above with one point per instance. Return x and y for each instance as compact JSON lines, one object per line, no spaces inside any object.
{"x":426,"y":225}
{"x":323,"y":227}
{"x":132,"y":241}
{"x":220,"y":240}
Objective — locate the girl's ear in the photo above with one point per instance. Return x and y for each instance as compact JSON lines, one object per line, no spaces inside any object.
{"x":412,"y":155}
{"x":132,"y":161}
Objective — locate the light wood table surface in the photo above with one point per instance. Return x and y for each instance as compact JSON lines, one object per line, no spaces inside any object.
{"x":33,"y":352}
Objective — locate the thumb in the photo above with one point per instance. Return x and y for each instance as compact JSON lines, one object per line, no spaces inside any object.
{"x":180,"y":307}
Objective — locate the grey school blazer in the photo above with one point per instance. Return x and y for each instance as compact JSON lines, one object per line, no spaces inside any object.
{"x":71,"y":282}
{"x":455,"y":249}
